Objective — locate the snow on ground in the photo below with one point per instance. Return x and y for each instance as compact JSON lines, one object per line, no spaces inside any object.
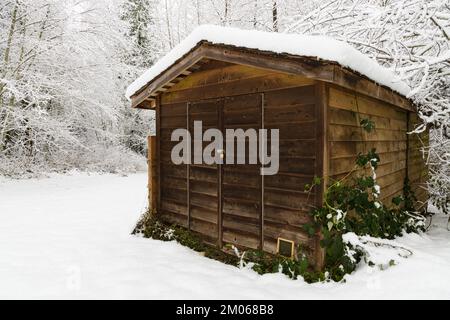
{"x":69,"y":237}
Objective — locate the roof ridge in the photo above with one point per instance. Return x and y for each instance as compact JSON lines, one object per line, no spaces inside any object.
{"x":321,"y":47}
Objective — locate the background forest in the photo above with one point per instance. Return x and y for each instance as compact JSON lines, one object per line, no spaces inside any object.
{"x":65,"y":65}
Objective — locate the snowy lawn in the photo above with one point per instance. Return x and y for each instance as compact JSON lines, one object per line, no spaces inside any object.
{"x":69,"y":237}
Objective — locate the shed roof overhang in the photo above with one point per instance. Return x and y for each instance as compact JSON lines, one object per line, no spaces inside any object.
{"x":309,"y":67}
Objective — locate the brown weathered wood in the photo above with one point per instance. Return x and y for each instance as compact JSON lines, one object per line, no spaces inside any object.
{"x":390,"y":138}
{"x":152,"y":174}
{"x":275,"y":231}
{"x":187,"y":125}
{"x":240,"y":239}
{"x":294,"y":218}
{"x":262,"y":182}
{"x":158,"y":149}
{"x":350,"y":80}
{"x":204,"y":214}
{"x":344,"y":99}
{"x":348,"y":149}
{"x":203,"y":191}
{"x":242,"y":225}
{"x":219,"y":74}
{"x":304,"y":67}
{"x":241,"y":184}
{"x":322,"y":160}
{"x":235,"y":88}
{"x":220,"y":182}
{"x":207,"y":230}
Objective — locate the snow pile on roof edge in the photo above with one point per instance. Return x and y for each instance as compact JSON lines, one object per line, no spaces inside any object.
{"x":321,"y":47}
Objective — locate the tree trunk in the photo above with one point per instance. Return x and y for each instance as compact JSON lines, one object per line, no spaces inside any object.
{"x":198,"y":13}
{"x":275,"y":16}
{"x":8,"y":47}
{"x":169,"y":32}
{"x":226,"y":10}
{"x":4,"y":73}
{"x":255,"y":17}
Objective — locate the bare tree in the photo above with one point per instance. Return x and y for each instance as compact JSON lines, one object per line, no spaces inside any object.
{"x":275,"y":16}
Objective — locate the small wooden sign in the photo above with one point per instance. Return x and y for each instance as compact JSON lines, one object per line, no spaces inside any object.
{"x":285,"y":248}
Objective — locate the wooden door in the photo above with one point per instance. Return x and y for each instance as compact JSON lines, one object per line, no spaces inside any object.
{"x":242,"y":183}
{"x":204,"y":180}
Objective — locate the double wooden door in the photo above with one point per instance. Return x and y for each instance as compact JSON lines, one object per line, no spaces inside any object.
{"x":225,"y":201}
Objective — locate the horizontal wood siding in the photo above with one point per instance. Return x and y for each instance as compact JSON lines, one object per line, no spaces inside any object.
{"x":173,"y":178}
{"x":286,"y":205}
{"x":347,"y":138}
{"x":203,"y":179}
{"x":290,"y":107}
{"x":229,"y":80}
{"x":241,"y":184}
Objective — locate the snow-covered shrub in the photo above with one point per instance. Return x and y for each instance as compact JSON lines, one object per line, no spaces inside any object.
{"x":99,"y":158}
{"x":115,"y":159}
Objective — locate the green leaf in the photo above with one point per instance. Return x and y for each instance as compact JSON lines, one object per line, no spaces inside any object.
{"x":317,"y":181}
{"x":368,"y":125}
{"x":397,"y":200}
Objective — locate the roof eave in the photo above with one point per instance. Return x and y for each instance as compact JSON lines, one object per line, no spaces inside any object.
{"x":310,"y":67}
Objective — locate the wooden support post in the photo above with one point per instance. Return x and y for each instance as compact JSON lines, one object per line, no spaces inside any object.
{"x":322,"y":165}
{"x":152,"y":174}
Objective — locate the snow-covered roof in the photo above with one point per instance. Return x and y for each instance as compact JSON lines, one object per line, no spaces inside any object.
{"x":320,"y":47}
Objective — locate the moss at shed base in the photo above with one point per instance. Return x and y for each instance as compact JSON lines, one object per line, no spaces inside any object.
{"x":261,"y":262}
{"x":151,"y":227}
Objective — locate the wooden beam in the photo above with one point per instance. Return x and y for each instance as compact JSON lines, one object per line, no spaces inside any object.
{"x":262,"y":181}
{"x":152,"y":174}
{"x":326,"y":71}
{"x":173,"y":72}
{"x":220,"y":173}
{"x":158,"y":158}
{"x":270,"y":61}
{"x":148,"y":104}
{"x":361,"y":84}
{"x":188,"y":175}
{"x":321,"y":160}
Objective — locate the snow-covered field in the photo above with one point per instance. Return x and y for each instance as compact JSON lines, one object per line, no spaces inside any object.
{"x":69,"y":237}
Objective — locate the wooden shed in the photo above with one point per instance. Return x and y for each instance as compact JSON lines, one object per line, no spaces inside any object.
{"x":236,"y":79}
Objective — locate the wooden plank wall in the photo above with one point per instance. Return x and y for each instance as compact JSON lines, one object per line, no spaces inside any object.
{"x":347,"y":139}
{"x":241,"y":184}
{"x":220,"y":80}
{"x":173,"y":179}
{"x":289,"y":106}
{"x":203,"y":178}
{"x":286,"y":205}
